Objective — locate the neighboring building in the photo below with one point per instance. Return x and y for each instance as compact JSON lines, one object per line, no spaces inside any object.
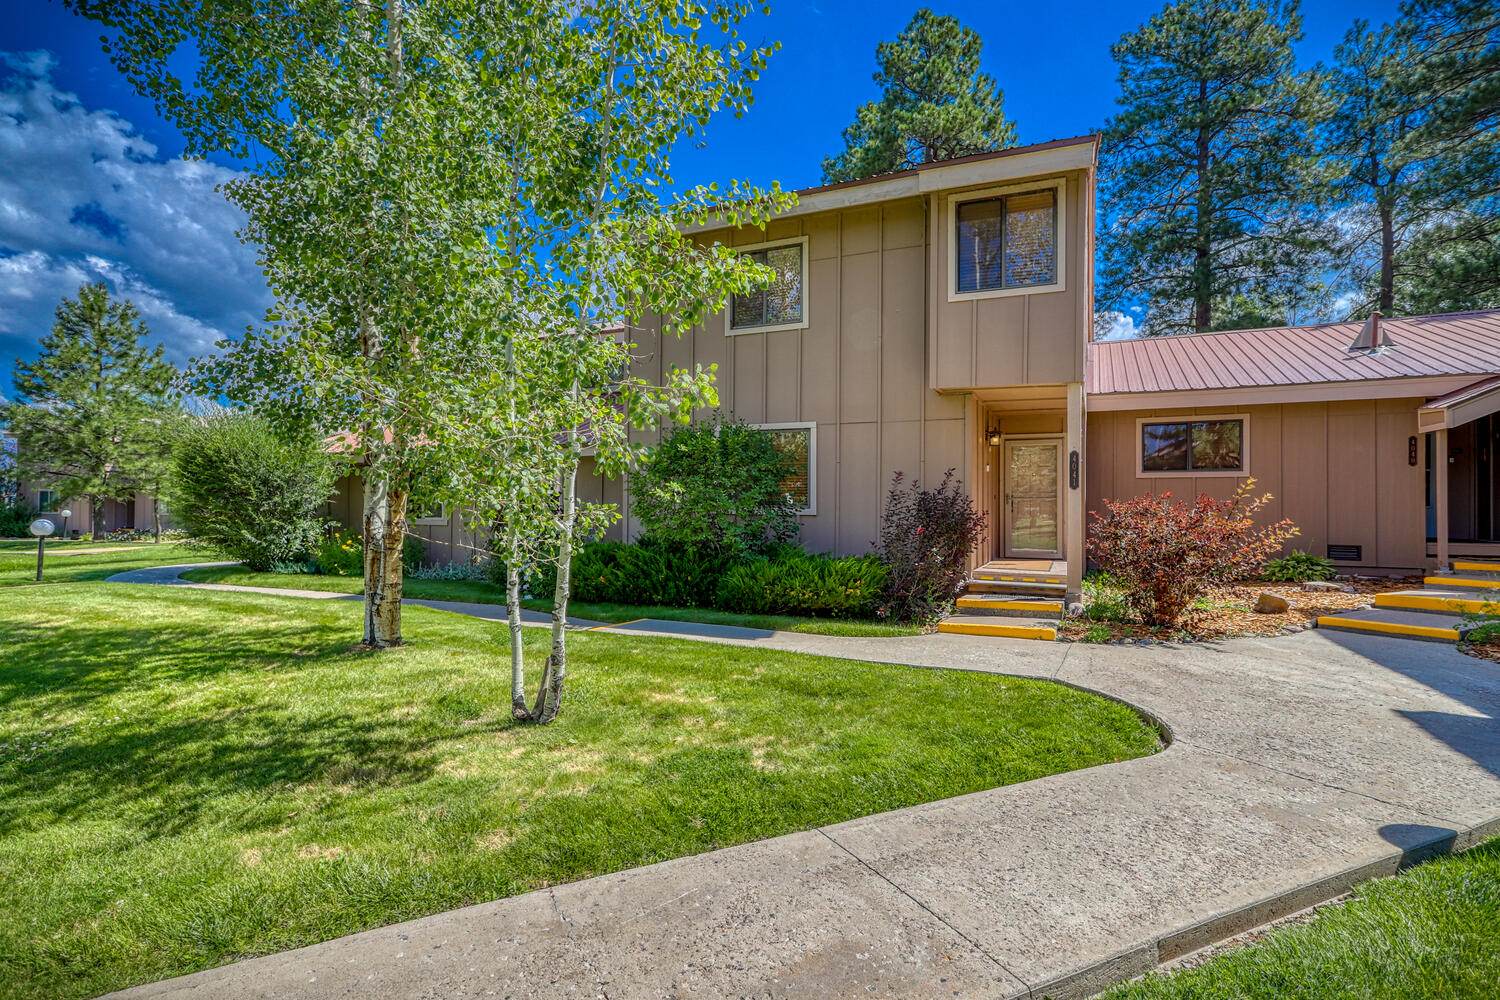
{"x":941,"y":318}
{"x":129,"y":513}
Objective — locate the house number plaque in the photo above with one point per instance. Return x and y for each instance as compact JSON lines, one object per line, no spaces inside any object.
{"x":1072,"y":470}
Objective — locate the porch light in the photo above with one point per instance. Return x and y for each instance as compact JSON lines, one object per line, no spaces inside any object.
{"x":994,"y":436}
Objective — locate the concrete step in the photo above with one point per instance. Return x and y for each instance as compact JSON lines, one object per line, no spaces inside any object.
{"x":982,"y":585}
{"x":1477,"y":567}
{"x":1006,"y":628}
{"x":1011,"y":605}
{"x":1019,"y":576}
{"x":1432,"y":600}
{"x":1467,"y":581}
{"x":1396,"y":622}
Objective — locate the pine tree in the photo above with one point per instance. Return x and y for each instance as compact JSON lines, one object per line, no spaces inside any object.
{"x":935,"y":104}
{"x":1208,"y":166}
{"x":88,"y":408}
{"x":1454,"y":261}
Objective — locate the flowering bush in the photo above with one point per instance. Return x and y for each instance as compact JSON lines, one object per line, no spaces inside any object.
{"x":925,"y":540}
{"x":1165,"y":553}
{"x":342,"y":553}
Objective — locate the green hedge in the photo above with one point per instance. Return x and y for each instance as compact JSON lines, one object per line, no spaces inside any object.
{"x":787,"y":581}
{"x":795,"y":583}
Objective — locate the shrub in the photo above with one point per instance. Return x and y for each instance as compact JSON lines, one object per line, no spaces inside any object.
{"x":1167,"y":553}
{"x":16,"y":518}
{"x":342,"y":553}
{"x":925,"y":540}
{"x":792,"y":582}
{"x":1297,"y":567}
{"x":645,"y":572}
{"x":1104,"y":599}
{"x":453,"y":571}
{"x":236,"y":486}
{"x":720,"y":486}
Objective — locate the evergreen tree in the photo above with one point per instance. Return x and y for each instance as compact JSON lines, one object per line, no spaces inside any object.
{"x":1454,"y":263}
{"x":89,"y":407}
{"x":935,"y":104}
{"x":1378,"y":179}
{"x":1208,"y":165}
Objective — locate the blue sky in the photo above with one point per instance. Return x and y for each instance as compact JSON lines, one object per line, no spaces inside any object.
{"x":91,"y":187}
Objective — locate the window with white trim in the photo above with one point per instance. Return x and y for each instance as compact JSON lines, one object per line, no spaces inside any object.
{"x":781,"y":305}
{"x":798,"y":443}
{"x":1194,"y":447}
{"x":45,"y":500}
{"x":436,"y":513}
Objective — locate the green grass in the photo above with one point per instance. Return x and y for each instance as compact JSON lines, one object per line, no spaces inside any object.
{"x":191,"y":777}
{"x":1432,"y":932}
{"x":72,"y":562}
{"x":480,"y":592}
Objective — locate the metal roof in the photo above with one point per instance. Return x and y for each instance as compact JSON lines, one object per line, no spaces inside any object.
{"x":1416,"y":346}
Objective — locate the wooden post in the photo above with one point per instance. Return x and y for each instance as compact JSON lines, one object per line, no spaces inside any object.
{"x":1440,"y":494}
{"x":1073,"y":493}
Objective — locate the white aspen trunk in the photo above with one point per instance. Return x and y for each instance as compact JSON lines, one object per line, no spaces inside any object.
{"x":518,"y":709}
{"x":384,"y":532}
{"x":549,"y":699}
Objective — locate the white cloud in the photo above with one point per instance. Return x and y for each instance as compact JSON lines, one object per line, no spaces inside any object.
{"x":1115,"y":326}
{"x":84,"y":197}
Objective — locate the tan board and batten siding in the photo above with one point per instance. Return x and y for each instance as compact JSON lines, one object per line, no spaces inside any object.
{"x":1338,"y":469}
{"x":858,"y":371}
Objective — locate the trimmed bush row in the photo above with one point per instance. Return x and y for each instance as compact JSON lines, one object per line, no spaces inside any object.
{"x":784,"y":581}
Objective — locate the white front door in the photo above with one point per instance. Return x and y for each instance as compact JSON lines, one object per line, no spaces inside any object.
{"x":1032,"y":500}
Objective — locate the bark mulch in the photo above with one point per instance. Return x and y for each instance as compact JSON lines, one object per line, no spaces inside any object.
{"x":1227,"y":612}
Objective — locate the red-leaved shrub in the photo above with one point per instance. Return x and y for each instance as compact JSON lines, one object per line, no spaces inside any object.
{"x":925,"y":540}
{"x":1166,"y":553}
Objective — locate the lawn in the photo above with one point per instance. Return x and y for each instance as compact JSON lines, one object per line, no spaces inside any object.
{"x":190,"y":777}
{"x":1432,"y":932}
{"x":480,"y":592}
{"x":75,"y":561}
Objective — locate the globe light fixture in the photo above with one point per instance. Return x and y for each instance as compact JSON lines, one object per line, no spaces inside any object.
{"x":41,"y":528}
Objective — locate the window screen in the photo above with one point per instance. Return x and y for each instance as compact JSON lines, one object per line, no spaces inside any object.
{"x":795,"y":443}
{"x":781,"y":302}
{"x":1008,"y":242}
{"x":1193,"y":446}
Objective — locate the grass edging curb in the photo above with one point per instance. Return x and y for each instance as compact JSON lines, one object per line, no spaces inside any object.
{"x":1173,"y":945}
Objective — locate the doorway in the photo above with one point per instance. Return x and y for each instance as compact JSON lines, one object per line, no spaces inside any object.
{"x":1031,"y":498}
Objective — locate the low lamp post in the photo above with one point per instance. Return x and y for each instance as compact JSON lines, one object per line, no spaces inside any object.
{"x":65,"y":515}
{"x":41,"y":528}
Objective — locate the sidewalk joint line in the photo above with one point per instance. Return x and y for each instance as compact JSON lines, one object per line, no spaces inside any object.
{"x":1316,"y":781}
{"x":929,"y":910}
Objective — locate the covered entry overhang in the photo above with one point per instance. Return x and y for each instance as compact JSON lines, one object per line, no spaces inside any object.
{"x":1440,"y":418}
{"x":1026,"y":449}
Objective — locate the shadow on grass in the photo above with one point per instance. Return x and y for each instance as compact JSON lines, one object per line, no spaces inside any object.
{"x":179,"y":757}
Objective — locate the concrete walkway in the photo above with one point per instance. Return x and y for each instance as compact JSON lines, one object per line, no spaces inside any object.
{"x":1300,"y":765}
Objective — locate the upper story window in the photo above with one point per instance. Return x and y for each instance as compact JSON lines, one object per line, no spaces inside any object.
{"x":1006,"y":241}
{"x":1197,"y":447}
{"x":45,"y":500}
{"x":783,"y":304}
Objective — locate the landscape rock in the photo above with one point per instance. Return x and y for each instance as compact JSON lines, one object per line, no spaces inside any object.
{"x":1270,"y":604}
{"x":1328,"y":585}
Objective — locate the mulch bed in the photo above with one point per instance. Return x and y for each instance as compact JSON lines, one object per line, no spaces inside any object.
{"x":1226,"y":612}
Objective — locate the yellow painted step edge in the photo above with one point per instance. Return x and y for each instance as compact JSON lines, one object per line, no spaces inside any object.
{"x":1477,"y":567}
{"x":1389,"y":628}
{"x":988,"y":577}
{"x":1004,"y":631}
{"x":980,"y":602}
{"x":1416,"y":602}
{"x":1459,"y":581}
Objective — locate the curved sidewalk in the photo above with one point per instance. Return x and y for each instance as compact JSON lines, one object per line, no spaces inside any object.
{"x":1300,"y":765}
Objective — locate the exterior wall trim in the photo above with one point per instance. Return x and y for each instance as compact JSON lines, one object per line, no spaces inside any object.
{"x":1312,"y":392}
{"x":732,"y":331}
{"x":1059,"y":186}
{"x":1241,"y":473}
